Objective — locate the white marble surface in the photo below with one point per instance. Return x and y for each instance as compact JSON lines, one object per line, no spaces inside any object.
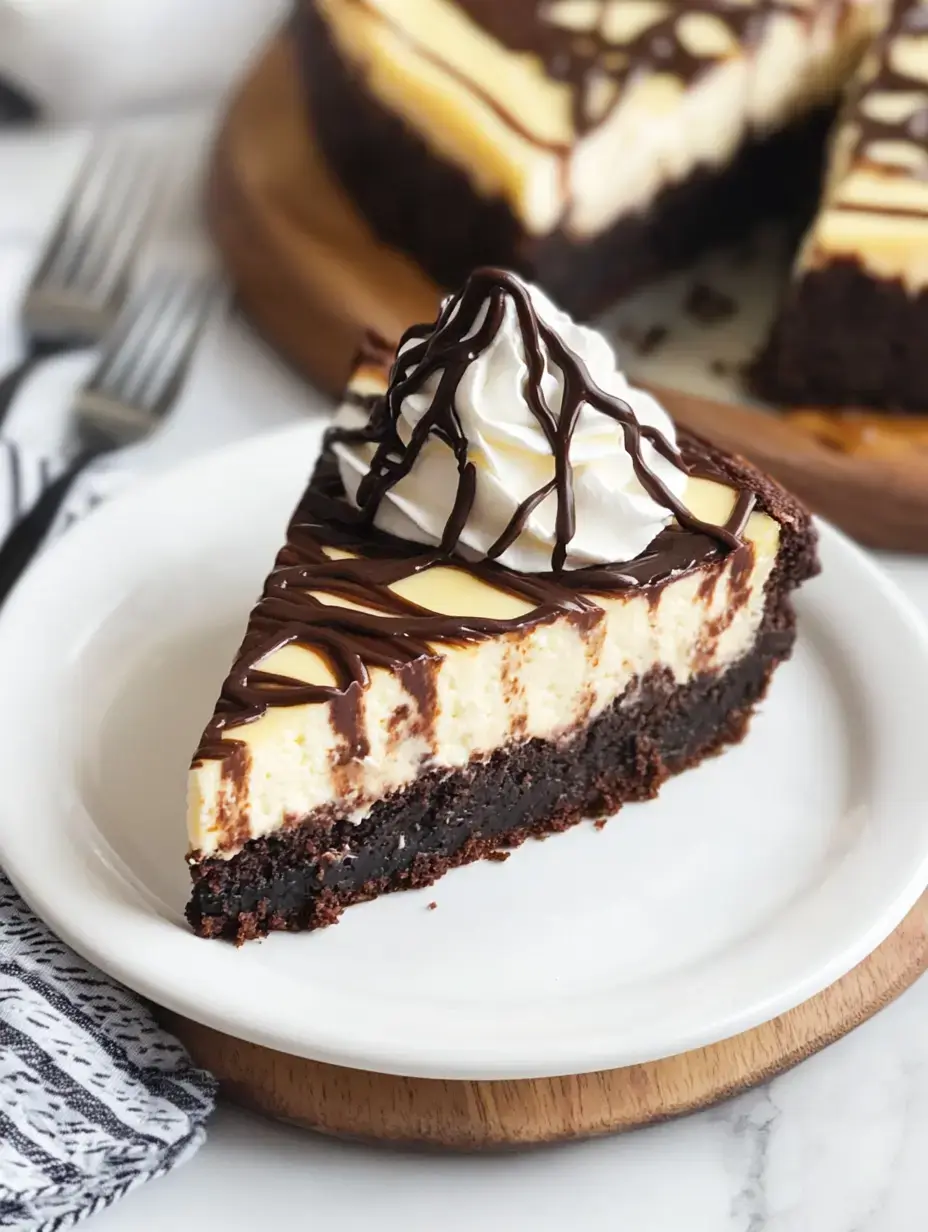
{"x":837,"y":1145}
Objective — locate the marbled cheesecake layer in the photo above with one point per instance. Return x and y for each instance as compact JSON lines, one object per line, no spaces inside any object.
{"x":525,"y":669}
{"x":874,"y":210}
{"x":576,"y":113}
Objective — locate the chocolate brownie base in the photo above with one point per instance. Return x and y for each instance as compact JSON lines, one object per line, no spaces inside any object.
{"x":845,"y":338}
{"x":303,"y":878}
{"x":428,"y":208}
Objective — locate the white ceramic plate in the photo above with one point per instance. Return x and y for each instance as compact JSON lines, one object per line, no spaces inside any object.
{"x":752,"y":883}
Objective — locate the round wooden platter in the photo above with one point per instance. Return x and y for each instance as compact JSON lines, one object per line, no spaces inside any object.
{"x":487,"y":1115}
{"x":312,"y":277}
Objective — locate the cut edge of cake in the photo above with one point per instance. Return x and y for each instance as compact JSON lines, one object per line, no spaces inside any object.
{"x":852,"y":329}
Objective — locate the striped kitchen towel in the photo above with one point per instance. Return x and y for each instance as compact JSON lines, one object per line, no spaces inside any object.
{"x":94,"y":1097}
{"x":25,"y":474}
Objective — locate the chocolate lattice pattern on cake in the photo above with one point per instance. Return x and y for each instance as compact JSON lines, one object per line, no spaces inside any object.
{"x":599,"y":46}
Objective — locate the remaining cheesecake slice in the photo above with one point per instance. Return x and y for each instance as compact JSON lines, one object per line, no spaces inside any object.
{"x":591,"y":144}
{"x":508,"y":598}
{"x":853,"y":330}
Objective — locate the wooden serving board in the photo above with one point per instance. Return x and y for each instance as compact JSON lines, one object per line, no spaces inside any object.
{"x":312,"y":276}
{"x":482,"y":1115}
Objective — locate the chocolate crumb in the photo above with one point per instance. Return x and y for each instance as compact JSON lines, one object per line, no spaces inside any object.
{"x":644,"y":341}
{"x":499,"y":856}
{"x":708,"y":305}
{"x":431,"y":906}
{"x":601,"y":823}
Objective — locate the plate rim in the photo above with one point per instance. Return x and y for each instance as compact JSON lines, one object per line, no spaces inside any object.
{"x":129,"y":971}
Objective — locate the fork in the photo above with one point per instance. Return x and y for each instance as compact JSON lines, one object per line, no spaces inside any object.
{"x":83,"y":275}
{"x":139,"y":374}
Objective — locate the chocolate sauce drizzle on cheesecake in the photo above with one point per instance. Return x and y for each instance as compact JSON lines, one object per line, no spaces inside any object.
{"x":467,"y":325}
{"x":909,"y":19}
{"x":593,"y":61}
{"x":575,"y":42}
{"x":392,"y":632}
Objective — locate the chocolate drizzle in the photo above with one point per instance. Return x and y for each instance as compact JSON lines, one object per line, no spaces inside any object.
{"x":579,"y":45}
{"x":334,"y":549}
{"x":467,"y":325}
{"x":908,"y":19}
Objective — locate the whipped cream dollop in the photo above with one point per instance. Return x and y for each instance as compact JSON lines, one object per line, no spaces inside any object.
{"x":615,"y":517}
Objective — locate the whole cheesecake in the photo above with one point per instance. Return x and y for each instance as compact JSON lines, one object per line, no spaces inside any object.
{"x":511,"y":596}
{"x":591,"y":144}
{"x":595,"y":145}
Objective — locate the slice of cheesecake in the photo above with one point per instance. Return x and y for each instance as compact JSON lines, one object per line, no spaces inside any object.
{"x":511,"y":596}
{"x":592,"y":144}
{"x":853,"y":330}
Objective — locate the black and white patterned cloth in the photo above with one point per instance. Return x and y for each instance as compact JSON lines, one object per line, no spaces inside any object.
{"x":95,"y":1098}
{"x":25,"y":474}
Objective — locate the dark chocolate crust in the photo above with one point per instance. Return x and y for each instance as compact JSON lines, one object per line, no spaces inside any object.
{"x":428,"y":208}
{"x":846,"y":338}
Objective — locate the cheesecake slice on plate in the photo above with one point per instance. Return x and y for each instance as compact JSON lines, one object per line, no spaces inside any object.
{"x":511,"y":597}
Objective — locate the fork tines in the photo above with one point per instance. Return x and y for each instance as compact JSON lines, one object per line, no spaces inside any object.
{"x":146,"y":357}
{"x":83,"y":274}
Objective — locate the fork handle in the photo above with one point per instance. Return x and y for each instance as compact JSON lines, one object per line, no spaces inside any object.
{"x":27,"y":536}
